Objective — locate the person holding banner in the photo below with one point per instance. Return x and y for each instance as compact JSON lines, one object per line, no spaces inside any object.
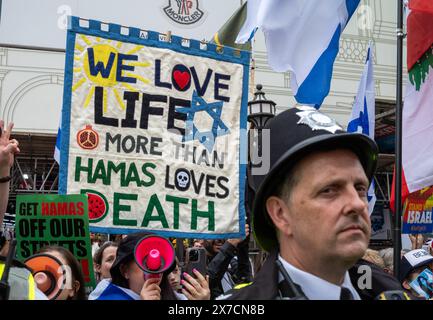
{"x":223,"y":263}
{"x":8,"y":149}
{"x":310,"y":211}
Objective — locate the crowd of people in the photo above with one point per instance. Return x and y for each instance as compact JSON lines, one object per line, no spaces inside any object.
{"x":310,"y":216}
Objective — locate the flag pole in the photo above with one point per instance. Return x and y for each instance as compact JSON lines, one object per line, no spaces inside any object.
{"x":398,"y":139}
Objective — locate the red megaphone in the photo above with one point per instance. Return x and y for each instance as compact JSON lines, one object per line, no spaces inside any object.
{"x":48,"y":273}
{"x":154,"y":254}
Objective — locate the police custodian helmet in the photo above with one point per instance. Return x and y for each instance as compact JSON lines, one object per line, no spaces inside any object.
{"x":295,"y":133}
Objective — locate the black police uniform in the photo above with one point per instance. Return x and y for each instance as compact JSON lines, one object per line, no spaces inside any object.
{"x":294,"y":134}
{"x":267,"y":287}
{"x":264,"y":286}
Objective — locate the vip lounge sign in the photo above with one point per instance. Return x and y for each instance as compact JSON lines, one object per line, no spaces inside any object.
{"x":417,"y":213}
{"x":151,"y":131}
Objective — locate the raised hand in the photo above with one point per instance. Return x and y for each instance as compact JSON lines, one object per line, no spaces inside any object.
{"x":417,"y":241}
{"x":151,"y":290}
{"x":196,"y":289}
{"x":8,"y":148}
{"x":236,"y":241}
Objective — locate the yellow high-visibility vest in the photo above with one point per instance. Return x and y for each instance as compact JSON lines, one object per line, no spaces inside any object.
{"x":21,"y":282}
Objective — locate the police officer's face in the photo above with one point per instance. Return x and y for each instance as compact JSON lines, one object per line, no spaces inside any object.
{"x":327,"y":212}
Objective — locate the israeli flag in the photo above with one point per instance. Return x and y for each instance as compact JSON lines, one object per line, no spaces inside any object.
{"x":301,"y":37}
{"x":363,"y":113}
{"x":58,"y":142}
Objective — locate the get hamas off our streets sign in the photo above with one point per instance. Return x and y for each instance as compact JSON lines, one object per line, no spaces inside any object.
{"x":154,"y":131}
{"x":55,"y":220}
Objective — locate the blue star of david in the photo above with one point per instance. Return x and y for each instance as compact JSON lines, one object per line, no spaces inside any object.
{"x":214,"y":110}
{"x":361,"y":121}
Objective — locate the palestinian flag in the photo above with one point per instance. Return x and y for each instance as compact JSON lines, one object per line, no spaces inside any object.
{"x":417,"y":149}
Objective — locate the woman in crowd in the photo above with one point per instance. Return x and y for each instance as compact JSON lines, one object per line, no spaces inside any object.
{"x":174,"y":278}
{"x":104,"y":259}
{"x":128,"y":280}
{"x":75,"y":285}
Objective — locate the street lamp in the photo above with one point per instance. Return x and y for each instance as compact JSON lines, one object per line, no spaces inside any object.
{"x":260,"y":110}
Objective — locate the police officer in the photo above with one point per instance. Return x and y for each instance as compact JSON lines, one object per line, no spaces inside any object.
{"x":310,"y":211}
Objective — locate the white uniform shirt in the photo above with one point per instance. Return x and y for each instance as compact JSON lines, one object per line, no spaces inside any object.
{"x":316,"y":288}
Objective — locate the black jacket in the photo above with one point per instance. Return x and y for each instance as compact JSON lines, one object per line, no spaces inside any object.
{"x":218,"y":266}
{"x":381,"y":281}
{"x":264,"y":286}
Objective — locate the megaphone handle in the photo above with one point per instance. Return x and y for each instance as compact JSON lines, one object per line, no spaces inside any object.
{"x":151,"y":275}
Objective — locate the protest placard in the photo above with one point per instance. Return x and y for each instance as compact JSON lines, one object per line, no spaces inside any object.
{"x":154,"y":131}
{"x":417,"y":212}
{"x":60,"y":220}
{"x":423,"y":284}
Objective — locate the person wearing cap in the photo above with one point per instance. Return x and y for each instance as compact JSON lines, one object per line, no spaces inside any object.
{"x":413,"y":263}
{"x":310,"y":211}
{"x":128,"y":280}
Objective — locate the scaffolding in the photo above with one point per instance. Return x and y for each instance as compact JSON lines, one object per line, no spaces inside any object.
{"x":32,"y":175}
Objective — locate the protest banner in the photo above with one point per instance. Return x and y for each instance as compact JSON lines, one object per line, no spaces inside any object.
{"x":417,"y":212}
{"x":61,"y":220}
{"x":154,"y":131}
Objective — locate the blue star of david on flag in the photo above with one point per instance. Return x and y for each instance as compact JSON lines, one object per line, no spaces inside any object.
{"x":214,"y":110}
